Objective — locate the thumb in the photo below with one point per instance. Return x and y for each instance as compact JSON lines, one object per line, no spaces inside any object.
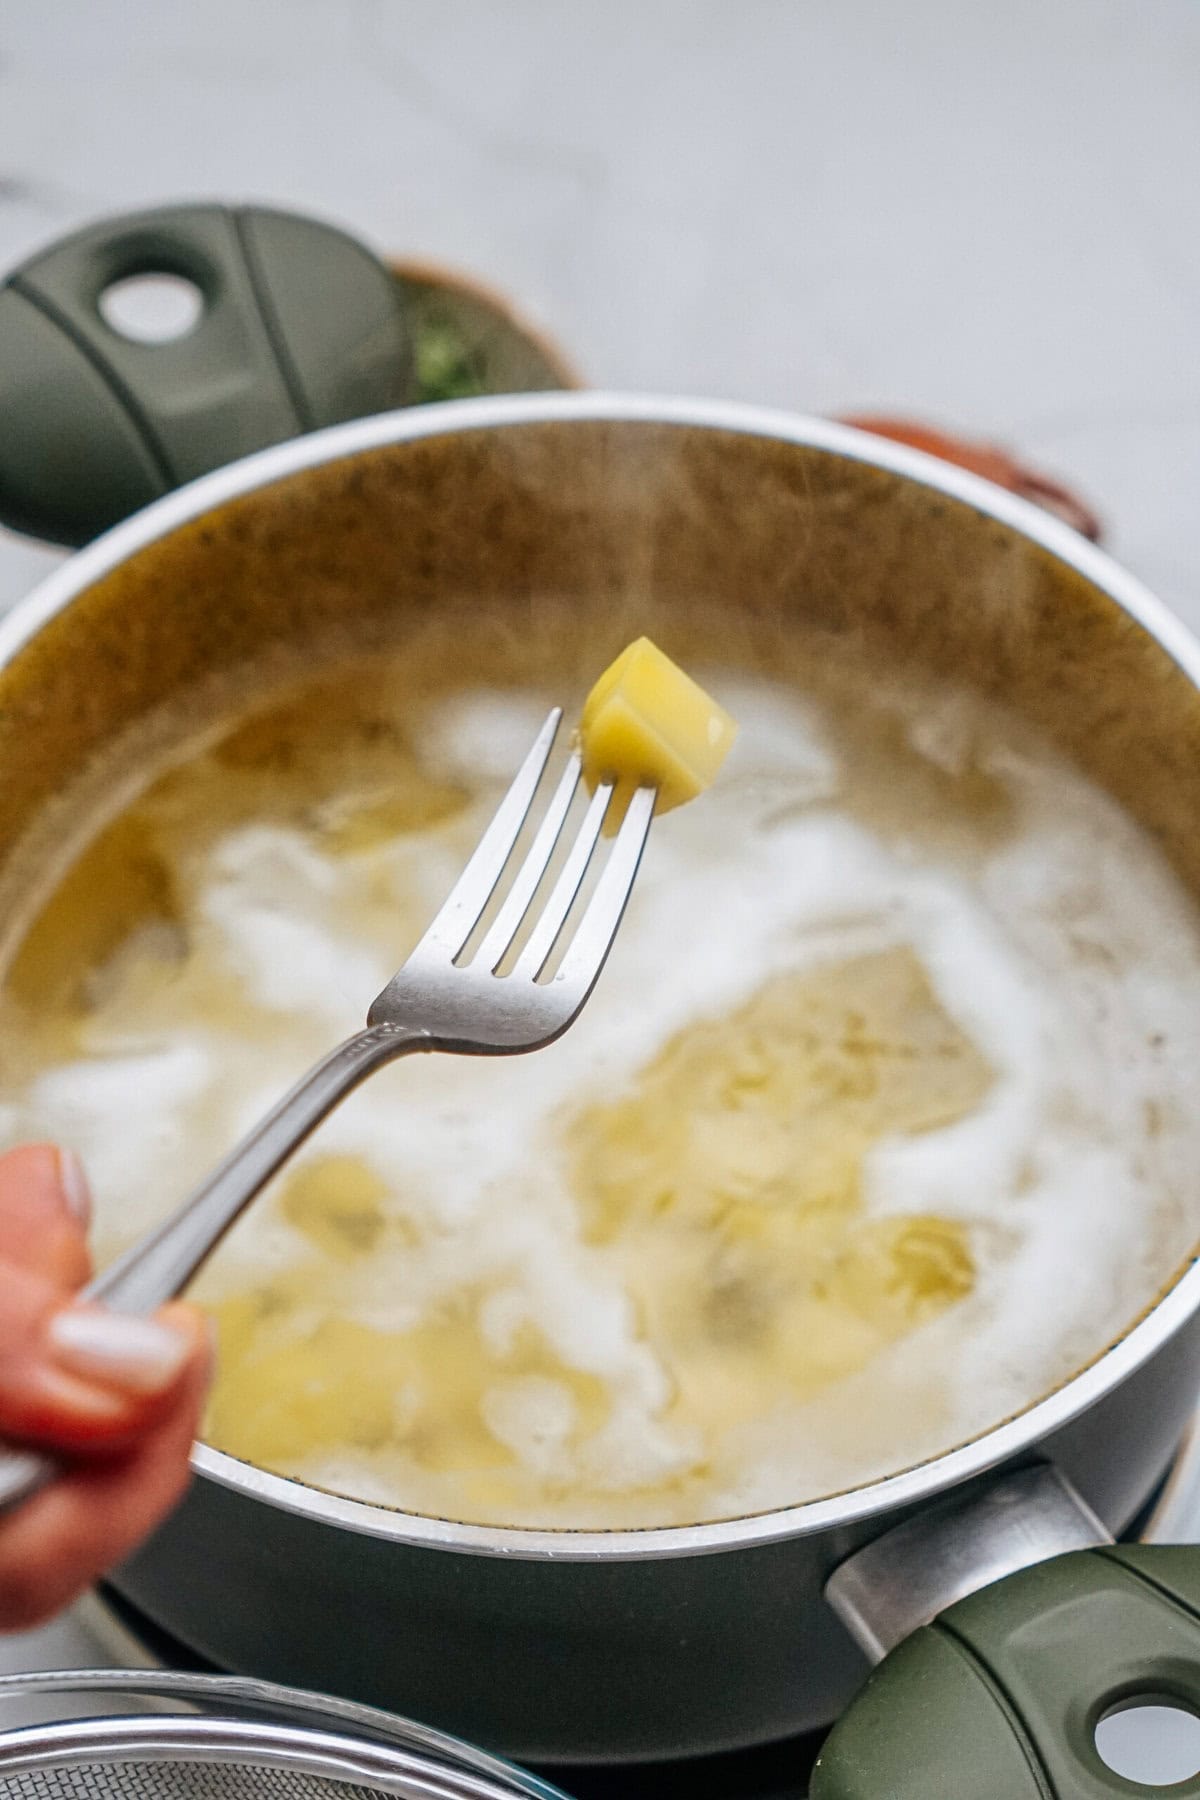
{"x":45,"y":1209}
{"x":83,"y":1379}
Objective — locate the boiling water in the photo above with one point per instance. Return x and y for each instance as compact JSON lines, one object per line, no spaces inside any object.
{"x":878,"y":1125}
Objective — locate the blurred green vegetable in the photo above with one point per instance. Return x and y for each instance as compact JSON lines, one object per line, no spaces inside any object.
{"x":446,"y":366}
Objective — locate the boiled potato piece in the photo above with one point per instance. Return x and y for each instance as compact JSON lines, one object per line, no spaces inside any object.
{"x":647,"y":724}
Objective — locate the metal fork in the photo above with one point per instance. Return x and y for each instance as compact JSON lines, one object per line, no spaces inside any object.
{"x":441,"y":999}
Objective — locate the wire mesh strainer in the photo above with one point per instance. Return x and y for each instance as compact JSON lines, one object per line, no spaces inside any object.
{"x":214,"y":1737}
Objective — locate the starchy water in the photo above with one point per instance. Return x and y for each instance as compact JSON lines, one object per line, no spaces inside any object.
{"x":880,"y":1123}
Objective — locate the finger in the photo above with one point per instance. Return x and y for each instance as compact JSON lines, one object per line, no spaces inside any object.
{"x":45,"y":1209}
{"x":57,"y":1544}
{"x":85,"y":1381}
{"x":40,"y":1399}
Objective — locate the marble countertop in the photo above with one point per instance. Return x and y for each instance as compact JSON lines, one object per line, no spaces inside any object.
{"x":989,"y":216}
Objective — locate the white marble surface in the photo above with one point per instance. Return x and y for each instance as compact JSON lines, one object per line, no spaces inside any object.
{"x":987,"y":215}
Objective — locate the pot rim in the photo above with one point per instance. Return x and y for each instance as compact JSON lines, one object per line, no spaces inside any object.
{"x":1013,"y":1436}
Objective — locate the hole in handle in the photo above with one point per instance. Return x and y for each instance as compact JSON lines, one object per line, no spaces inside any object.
{"x":1150,"y":1743}
{"x":151,"y":308}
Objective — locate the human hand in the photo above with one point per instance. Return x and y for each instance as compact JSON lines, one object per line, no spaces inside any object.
{"x":116,"y":1397}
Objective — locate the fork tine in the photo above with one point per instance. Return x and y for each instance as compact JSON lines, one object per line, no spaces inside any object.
{"x":593,"y":939}
{"x":475,"y":886}
{"x":504,"y":927}
{"x":544,"y":935}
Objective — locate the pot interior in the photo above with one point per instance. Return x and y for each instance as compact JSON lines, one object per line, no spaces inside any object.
{"x":543,"y":547}
{"x":627,"y":522}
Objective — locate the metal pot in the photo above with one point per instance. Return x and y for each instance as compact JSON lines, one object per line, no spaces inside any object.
{"x":615,"y":1645}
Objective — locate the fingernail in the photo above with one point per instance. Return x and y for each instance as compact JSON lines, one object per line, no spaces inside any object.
{"x":75,"y":1189}
{"x":130,"y":1352}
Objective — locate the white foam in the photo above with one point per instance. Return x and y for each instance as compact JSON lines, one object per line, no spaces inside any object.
{"x":270,"y":900}
{"x":535,"y":1416}
{"x":128,"y":1116}
{"x":481,"y":734}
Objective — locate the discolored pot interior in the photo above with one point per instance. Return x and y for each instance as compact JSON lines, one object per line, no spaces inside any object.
{"x":805,"y":553}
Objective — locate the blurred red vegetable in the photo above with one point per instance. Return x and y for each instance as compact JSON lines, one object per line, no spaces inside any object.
{"x":990,"y":461}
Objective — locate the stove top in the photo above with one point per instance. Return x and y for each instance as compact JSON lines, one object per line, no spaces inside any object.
{"x":106,"y":1631}
{"x":776,"y":1772}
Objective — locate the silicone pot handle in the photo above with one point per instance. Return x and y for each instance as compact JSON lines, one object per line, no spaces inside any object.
{"x":299,"y":326}
{"x":999,"y":1698}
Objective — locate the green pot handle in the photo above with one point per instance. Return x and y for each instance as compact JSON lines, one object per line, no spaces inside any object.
{"x":998,"y":1698}
{"x":299,"y":326}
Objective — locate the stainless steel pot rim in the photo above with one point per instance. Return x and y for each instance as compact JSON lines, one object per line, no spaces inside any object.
{"x":907,"y":1487}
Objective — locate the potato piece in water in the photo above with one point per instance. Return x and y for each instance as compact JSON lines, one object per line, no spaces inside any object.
{"x":647,"y":724}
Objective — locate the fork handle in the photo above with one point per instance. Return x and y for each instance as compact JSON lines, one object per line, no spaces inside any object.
{"x":161,"y":1266}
